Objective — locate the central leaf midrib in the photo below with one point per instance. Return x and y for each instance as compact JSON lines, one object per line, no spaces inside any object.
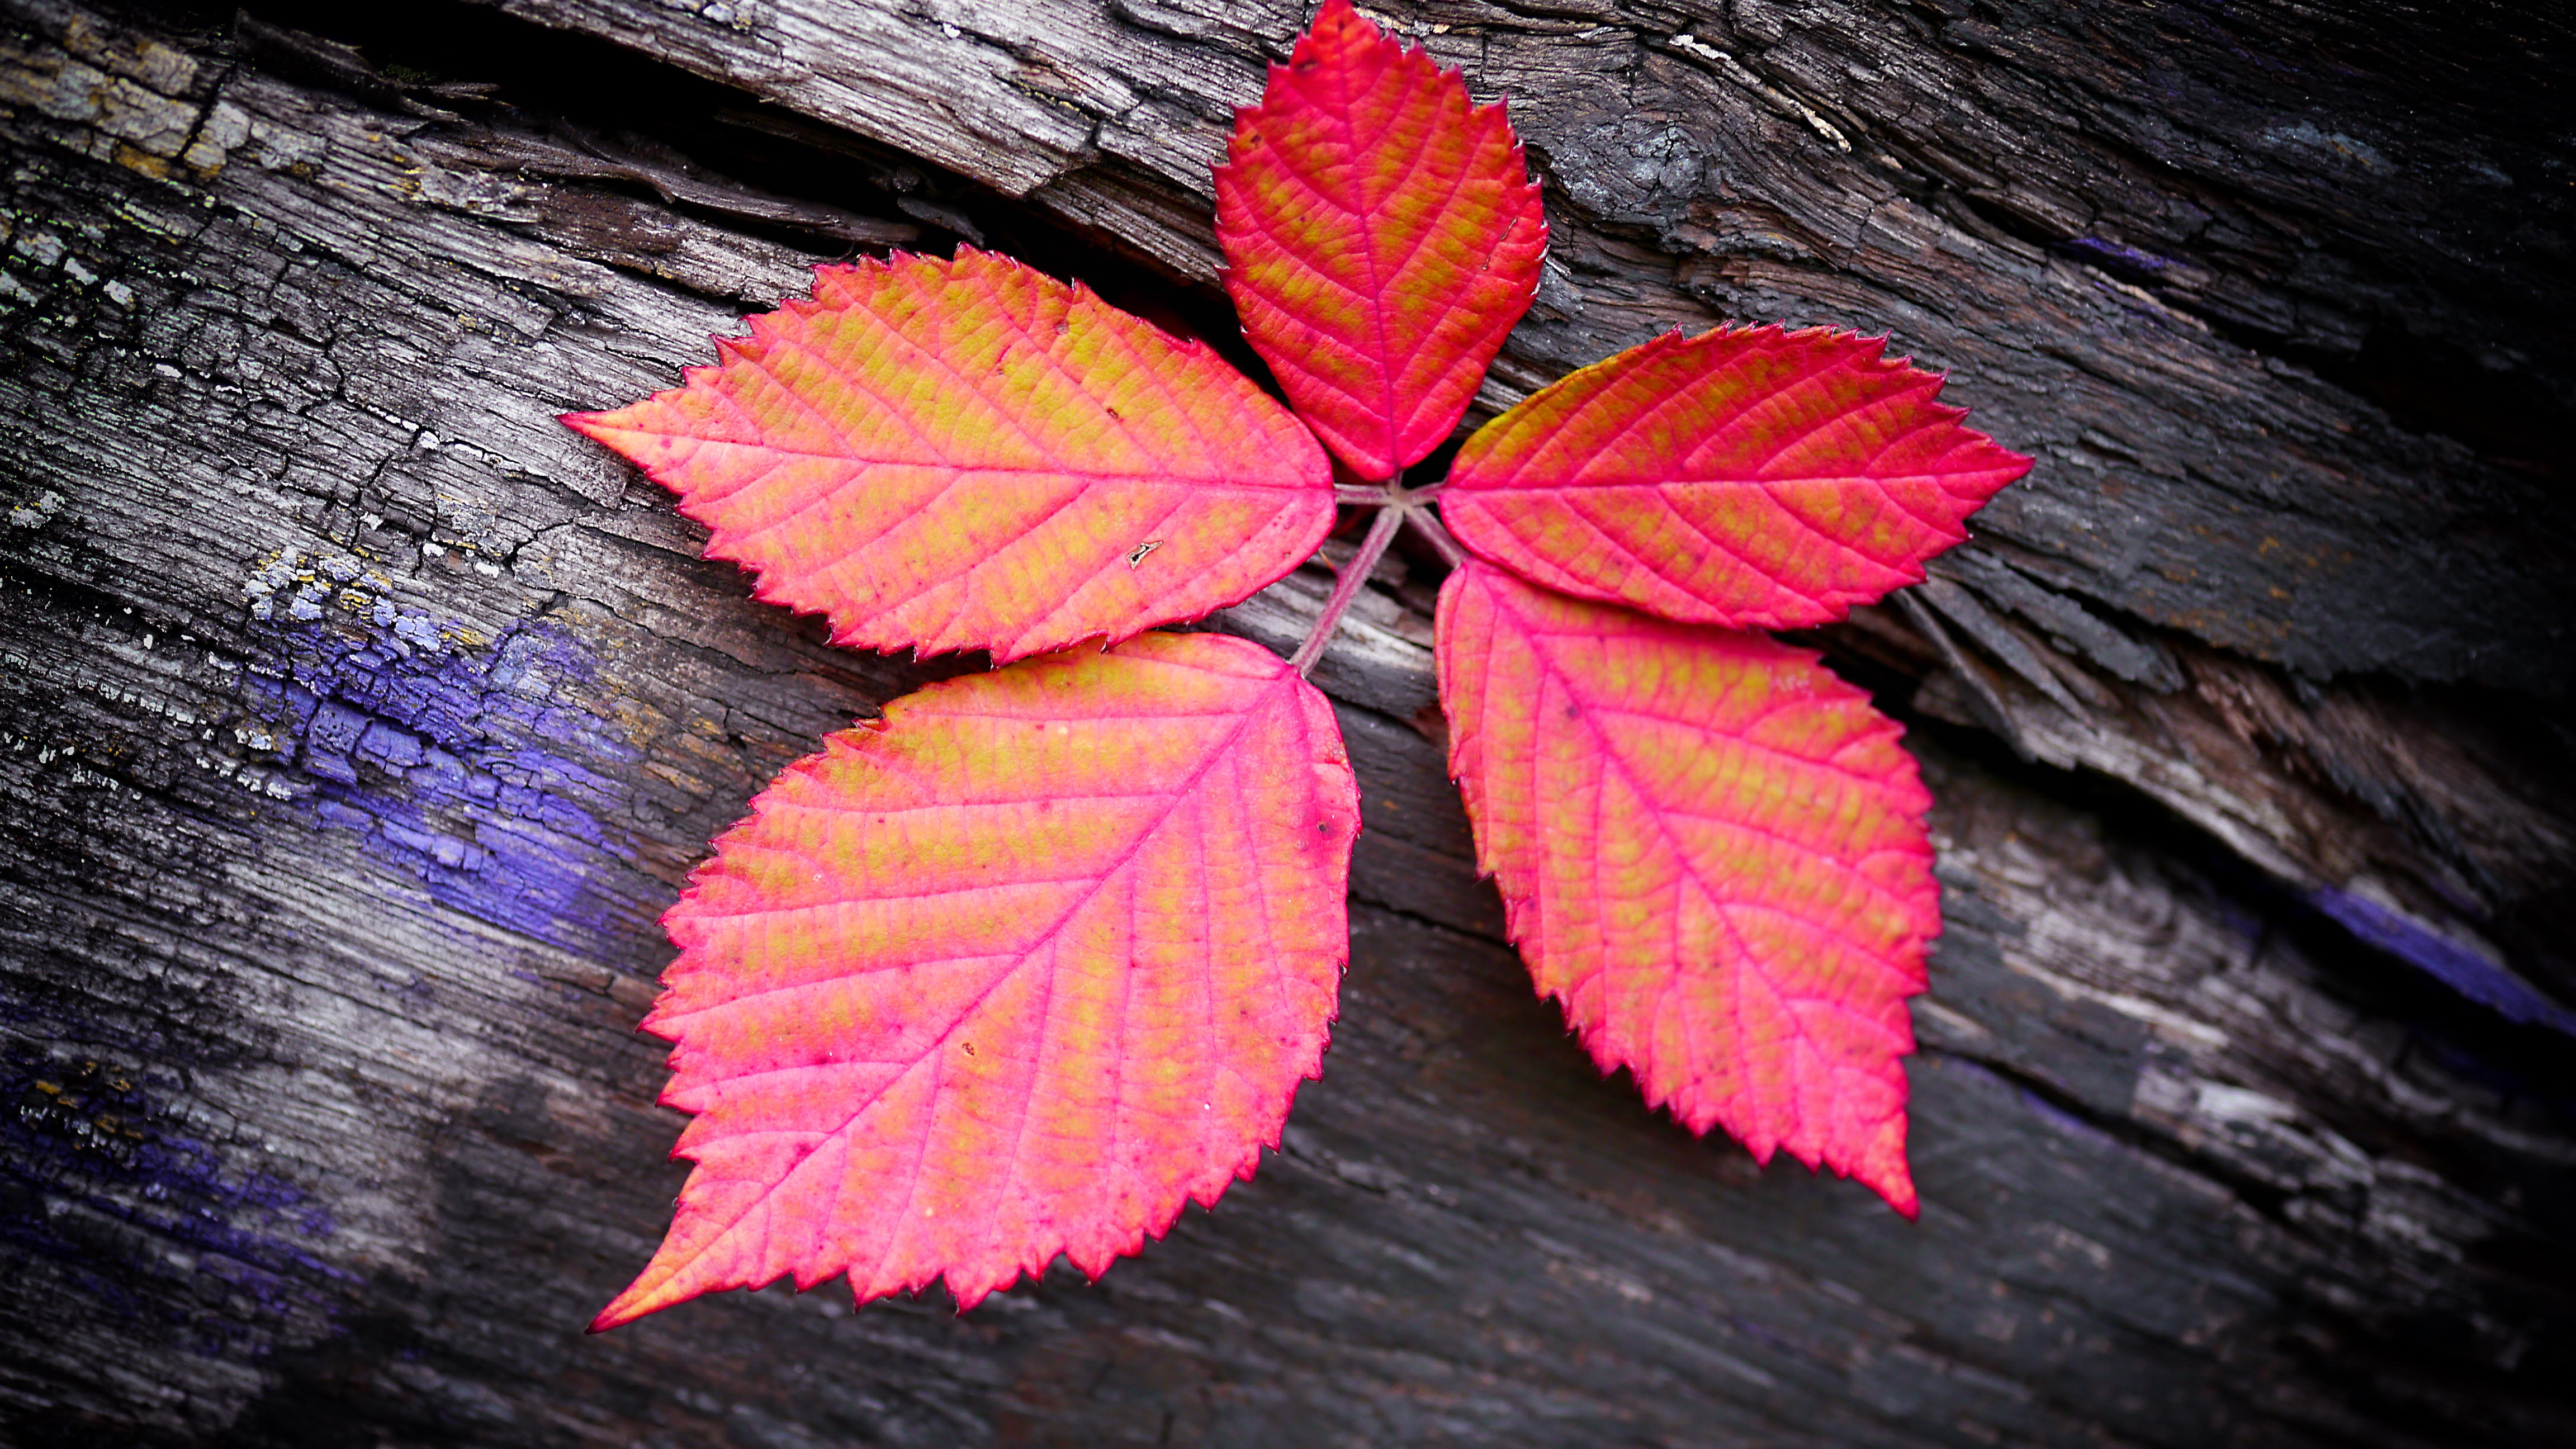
{"x":1152,"y":473}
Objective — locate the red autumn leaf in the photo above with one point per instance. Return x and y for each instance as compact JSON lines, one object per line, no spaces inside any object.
{"x":972,"y":455}
{"x":1751,"y":478}
{"x":1016,"y":973}
{"x":1711,"y":852}
{"x":1382,"y":235}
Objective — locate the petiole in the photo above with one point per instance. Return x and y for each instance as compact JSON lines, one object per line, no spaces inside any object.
{"x":1396,"y":505}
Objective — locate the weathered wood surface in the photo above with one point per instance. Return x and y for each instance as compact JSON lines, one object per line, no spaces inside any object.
{"x":358,"y":720}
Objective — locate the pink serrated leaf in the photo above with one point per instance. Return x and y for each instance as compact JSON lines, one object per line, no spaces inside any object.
{"x":1711,"y":852}
{"x":1018,"y":972}
{"x":1751,"y":478}
{"x":956,"y":455}
{"x":1382,"y":236}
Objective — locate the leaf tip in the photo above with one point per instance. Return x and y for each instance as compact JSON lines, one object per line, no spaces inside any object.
{"x":1896,"y":1185}
{"x":589,"y":425}
{"x":624,"y":1309}
{"x":1339,"y":13}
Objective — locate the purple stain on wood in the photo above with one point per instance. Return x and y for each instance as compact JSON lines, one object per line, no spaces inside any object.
{"x":469,"y":770}
{"x":1764,"y":1336}
{"x":2060,"y":1118}
{"x":2465,"y":971}
{"x":99,"y":1178}
{"x":2124,"y":259}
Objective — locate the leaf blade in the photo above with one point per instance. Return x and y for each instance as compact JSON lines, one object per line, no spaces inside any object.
{"x":1750,"y":478}
{"x":1020,"y":973}
{"x":946,"y":455}
{"x":1382,"y":237}
{"x":1711,"y":854}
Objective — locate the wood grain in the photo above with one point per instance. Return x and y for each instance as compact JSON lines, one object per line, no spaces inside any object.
{"x":356,"y":721}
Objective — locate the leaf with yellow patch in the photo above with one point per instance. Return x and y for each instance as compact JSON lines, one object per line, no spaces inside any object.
{"x":1381,"y":235}
{"x":1711,"y":853}
{"x":944,"y":455}
{"x":1748,"y":477}
{"x":1017,"y":972}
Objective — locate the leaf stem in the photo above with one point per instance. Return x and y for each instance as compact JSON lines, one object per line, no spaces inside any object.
{"x":1427,"y":523}
{"x":1348,"y":581}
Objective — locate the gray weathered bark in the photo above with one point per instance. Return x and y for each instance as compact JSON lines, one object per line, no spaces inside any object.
{"x":359,"y":720}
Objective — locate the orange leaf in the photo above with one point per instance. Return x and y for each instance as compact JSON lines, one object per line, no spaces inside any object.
{"x":1711,"y":852}
{"x":1383,"y":236}
{"x":1748,"y":477}
{"x":1015,"y":973}
{"x":972,"y":455}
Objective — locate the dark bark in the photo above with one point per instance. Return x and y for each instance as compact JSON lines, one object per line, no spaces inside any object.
{"x":359,"y":719}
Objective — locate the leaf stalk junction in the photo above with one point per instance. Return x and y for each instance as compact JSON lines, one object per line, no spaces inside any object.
{"x":1396,"y":506}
